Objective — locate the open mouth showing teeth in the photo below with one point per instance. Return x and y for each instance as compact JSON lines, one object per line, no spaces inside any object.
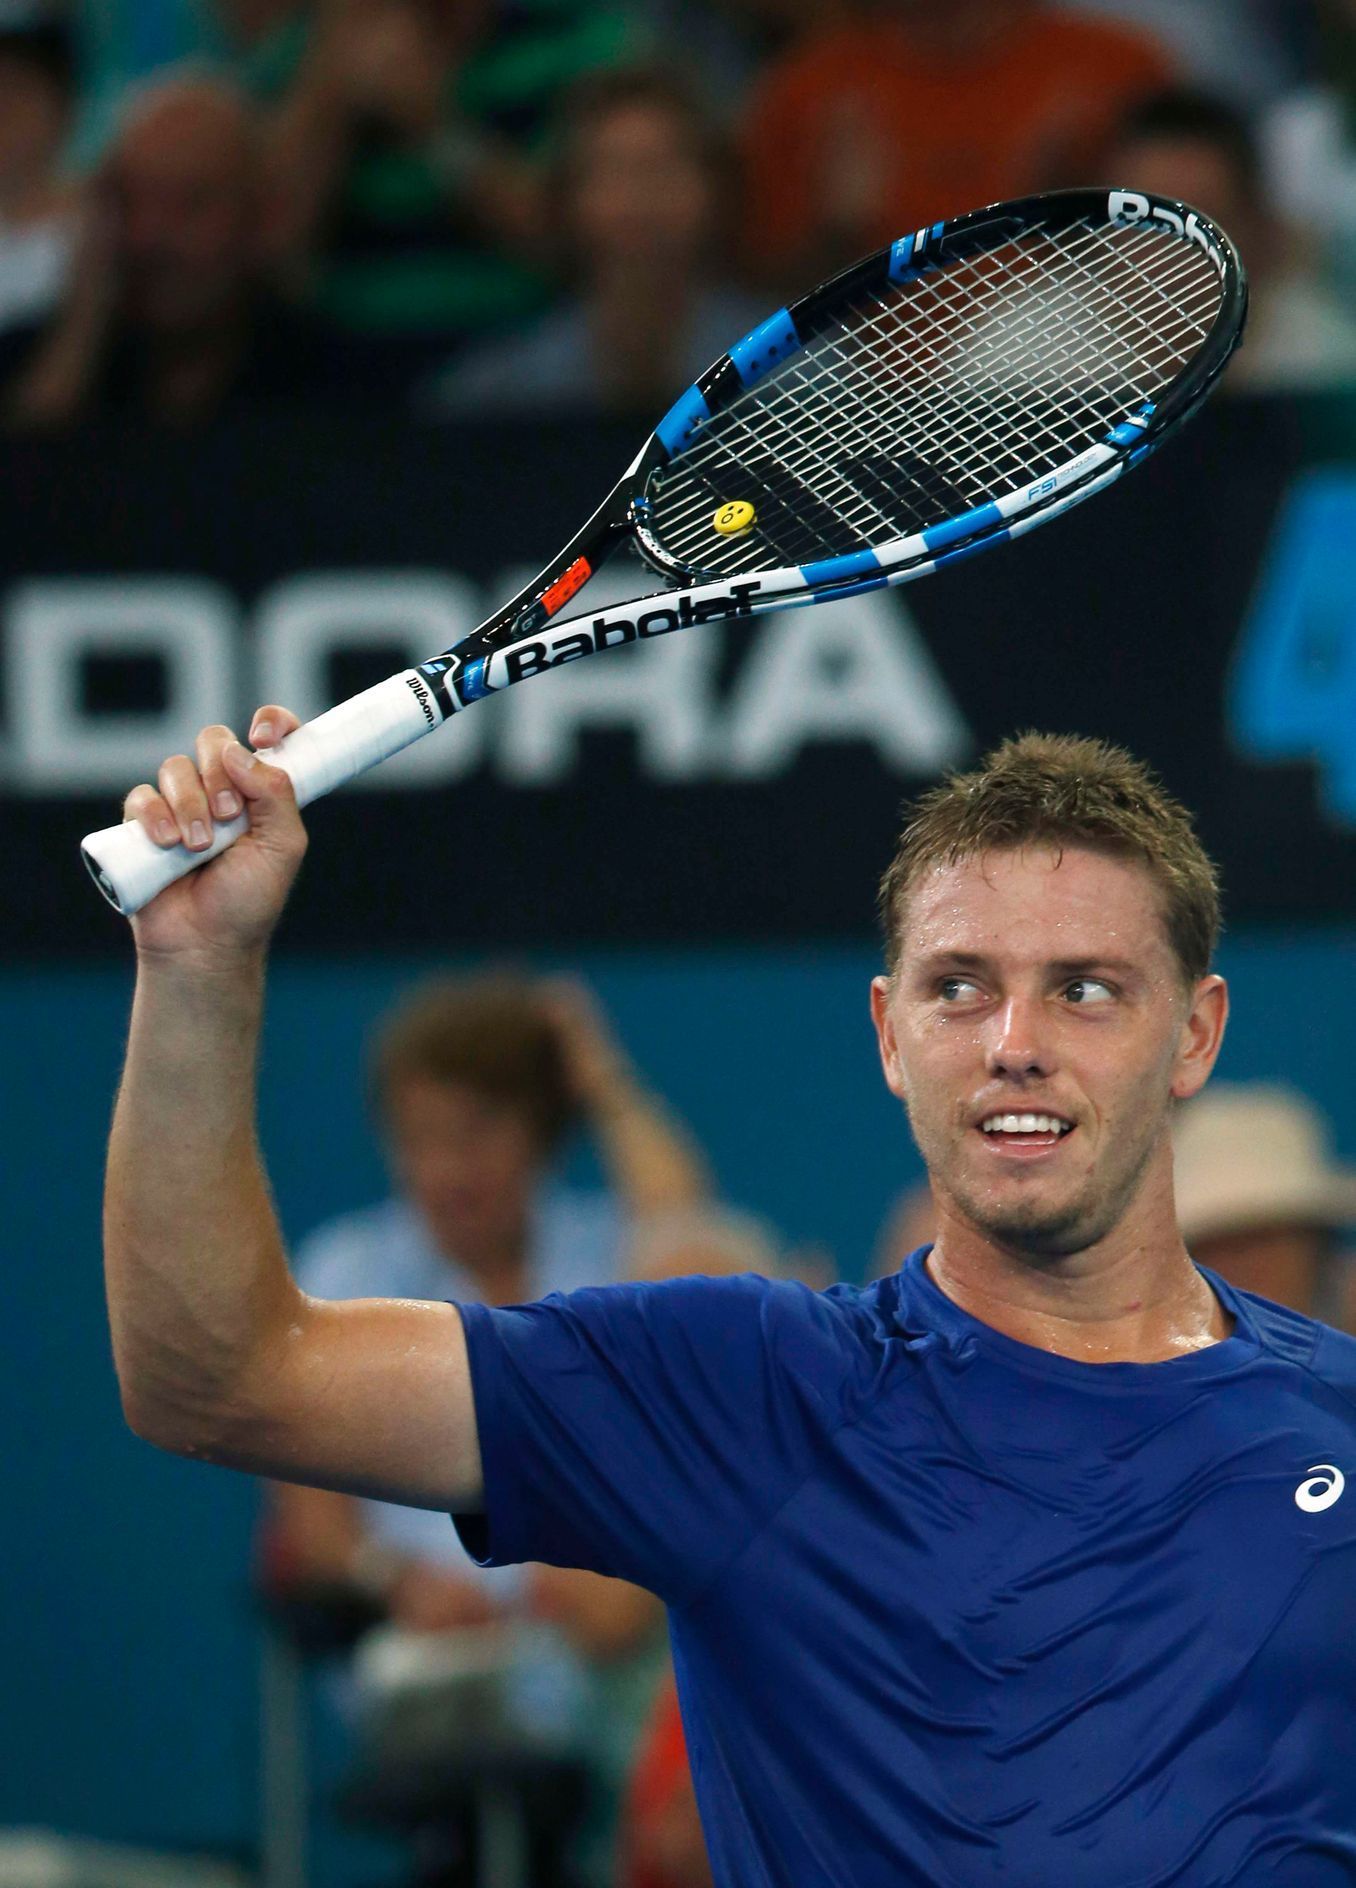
{"x":1052,"y":1126}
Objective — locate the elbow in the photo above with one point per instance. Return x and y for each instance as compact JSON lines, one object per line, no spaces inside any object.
{"x":165,"y":1425}
{"x":198,"y":1425}
{"x":210,"y":1401}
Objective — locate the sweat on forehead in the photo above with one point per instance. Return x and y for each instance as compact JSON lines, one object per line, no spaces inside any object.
{"x":1061,"y":792}
{"x":1036,"y":905}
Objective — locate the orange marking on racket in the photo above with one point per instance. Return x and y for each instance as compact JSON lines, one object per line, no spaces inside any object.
{"x":566,"y":585}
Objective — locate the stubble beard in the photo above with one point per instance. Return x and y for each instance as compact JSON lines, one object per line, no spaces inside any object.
{"x":1032,"y":1227}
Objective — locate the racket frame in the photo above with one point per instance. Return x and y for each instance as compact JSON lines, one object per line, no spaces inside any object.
{"x":527,"y":635}
{"x":469,"y":672}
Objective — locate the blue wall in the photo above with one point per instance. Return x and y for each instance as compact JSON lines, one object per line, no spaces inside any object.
{"x":126,"y":1651}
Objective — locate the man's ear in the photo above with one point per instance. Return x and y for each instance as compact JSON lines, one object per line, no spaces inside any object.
{"x":881,"y":991}
{"x":1201,"y":1038}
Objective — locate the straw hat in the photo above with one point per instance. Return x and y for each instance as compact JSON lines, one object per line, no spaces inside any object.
{"x":1249,"y":1154}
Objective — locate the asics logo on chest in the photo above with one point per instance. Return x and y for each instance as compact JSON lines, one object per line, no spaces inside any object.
{"x":1323,"y":1486}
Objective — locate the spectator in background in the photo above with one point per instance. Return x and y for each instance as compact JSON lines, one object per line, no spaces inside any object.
{"x":703,"y":1241}
{"x":38,"y":218}
{"x":727,"y":41}
{"x":409,"y":150}
{"x":1194,"y":146}
{"x":168,"y":314}
{"x":642,"y":188}
{"x":264,"y":44}
{"x":1260,"y":1198}
{"x":923,"y":109}
{"x":476,"y":1084}
{"x":1309,"y":141}
{"x":1246,"y":50}
{"x":122,"y":45}
{"x":662,"y":1845}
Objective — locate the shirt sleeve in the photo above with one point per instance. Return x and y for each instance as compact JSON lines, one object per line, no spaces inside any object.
{"x":647,"y":1431}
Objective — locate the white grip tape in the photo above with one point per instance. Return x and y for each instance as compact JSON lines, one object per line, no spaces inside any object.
{"x":129,"y":868}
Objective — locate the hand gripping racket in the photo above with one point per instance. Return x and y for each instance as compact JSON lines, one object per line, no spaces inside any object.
{"x":945,"y":395}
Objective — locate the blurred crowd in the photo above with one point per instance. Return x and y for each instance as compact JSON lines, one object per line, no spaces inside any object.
{"x":490,"y":206}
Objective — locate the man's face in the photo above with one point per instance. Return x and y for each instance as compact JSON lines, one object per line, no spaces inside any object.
{"x":468,"y":1163}
{"x":641,"y":193}
{"x":1034,"y":983}
{"x":186,"y":214}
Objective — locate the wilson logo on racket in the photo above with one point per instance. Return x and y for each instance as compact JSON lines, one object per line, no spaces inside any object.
{"x":422,"y":696}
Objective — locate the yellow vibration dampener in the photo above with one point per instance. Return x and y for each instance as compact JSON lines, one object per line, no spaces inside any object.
{"x":734,"y":519}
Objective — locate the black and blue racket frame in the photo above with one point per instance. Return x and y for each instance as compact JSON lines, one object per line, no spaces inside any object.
{"x":624,"y":517}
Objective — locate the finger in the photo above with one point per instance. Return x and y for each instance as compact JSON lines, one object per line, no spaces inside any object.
{"x":217,"y":784}
{"x":151,"y":810}
{"x":274,"y":818}
{"x":270,"y":724}
{"x":181,"y":784}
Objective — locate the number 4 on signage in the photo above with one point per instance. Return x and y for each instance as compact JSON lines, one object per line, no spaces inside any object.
{"x":1292,"y":692}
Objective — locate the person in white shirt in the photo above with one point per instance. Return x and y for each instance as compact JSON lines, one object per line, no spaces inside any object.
{"x":39,"y":218}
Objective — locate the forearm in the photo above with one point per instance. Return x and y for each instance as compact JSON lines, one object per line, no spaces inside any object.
{"x":652,"y":1163}
{"x":198,"y":1286}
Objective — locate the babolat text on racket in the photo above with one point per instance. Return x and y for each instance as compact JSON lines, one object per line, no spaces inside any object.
{"x":944,"y":395}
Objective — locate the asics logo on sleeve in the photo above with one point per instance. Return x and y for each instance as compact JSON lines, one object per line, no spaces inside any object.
{"x":1324,"y":1486}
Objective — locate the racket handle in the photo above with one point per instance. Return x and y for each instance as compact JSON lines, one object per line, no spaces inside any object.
{"x":129,"y":868}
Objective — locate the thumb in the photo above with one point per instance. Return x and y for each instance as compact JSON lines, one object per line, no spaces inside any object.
{"x":267,"y":791}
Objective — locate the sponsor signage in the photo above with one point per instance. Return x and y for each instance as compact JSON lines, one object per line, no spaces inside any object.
{"x":739,"y":780}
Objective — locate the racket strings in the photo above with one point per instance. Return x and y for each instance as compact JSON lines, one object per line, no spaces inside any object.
{"x":925,"y":401}
{"x":844,"y":373}
{"x":968,"y":416}
{"x":1033,"y":429}
{"x":1018,"y":440}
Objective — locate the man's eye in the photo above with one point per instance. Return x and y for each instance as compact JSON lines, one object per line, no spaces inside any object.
{"x":950,"y":989}
{"x":1089,"y":990}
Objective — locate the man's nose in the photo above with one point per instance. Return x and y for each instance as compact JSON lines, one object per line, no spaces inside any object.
{"x":1021,"y":1045}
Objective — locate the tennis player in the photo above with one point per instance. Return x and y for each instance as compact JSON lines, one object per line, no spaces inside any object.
{"x":1033,"y":1564}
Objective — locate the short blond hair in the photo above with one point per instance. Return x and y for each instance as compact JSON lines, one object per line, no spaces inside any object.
{"x":1062,"y":790}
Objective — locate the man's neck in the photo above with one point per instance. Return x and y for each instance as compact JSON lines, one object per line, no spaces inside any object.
{"x":1127,"y":1300}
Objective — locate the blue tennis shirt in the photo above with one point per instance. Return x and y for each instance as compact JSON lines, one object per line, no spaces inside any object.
{"x":947,"y":1610}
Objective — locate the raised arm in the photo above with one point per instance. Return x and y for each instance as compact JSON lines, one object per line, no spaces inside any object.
{"x":219,"y":1353}
{"x":652,"y":1163}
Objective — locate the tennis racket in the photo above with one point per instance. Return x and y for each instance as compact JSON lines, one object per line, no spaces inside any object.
{"x":953,"y":391}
